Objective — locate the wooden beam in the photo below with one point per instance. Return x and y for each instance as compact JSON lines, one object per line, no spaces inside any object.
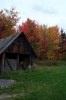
{"x":0,"y":63}
{"x":3,"y":62}
{"x":17,"y":61}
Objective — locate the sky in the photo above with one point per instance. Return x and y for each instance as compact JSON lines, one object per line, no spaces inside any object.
{"x":48,"y":12}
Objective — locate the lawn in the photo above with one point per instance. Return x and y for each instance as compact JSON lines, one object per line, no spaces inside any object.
{"x":44,"y":82}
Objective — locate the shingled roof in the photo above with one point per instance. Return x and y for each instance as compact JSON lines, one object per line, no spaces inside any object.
{"x":6,"y":42}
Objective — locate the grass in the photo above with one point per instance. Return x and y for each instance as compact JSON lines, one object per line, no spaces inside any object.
{"x":42,"y":83}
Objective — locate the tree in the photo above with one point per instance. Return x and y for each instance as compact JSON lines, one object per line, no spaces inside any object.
{"x":53,"y":36}
{"x":32,"y":31}
{"x":8,"y":21}
{"x":44,"y":42}
{"x":62,"y":44}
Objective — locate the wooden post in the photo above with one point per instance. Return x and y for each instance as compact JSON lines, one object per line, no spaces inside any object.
{"x":17,"y":61}
{"x":3,"y":62}
{"x":31,"y":62}
{"x":0,"y":63}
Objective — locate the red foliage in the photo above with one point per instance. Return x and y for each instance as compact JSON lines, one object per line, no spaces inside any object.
{"x":33,"y":33}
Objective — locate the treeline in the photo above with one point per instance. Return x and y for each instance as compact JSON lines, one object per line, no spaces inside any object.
{"x":48,"y":42}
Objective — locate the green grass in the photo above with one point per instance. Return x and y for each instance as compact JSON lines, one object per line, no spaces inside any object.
{"x":41,"y":83}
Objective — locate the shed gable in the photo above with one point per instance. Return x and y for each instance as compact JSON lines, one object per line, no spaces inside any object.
{"x":19,"y":46}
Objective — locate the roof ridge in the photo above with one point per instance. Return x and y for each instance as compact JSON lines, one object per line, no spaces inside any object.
{"x":17,"y":33}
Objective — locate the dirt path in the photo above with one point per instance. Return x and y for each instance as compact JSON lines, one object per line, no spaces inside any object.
{"x":4,"y":83}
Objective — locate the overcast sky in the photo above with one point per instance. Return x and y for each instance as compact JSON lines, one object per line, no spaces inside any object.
{"x":48,"y":12}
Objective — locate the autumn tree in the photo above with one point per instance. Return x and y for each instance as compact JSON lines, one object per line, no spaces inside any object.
{"x":62,"y":44}
{"x":8,"y":21}
{"x":43,"y":39}
{"x":53,"y":36}
{"x":44,"y":43}
{"x":32,"y":31}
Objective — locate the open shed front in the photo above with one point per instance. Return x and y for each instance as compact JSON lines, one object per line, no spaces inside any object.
{"x":12,"y":62}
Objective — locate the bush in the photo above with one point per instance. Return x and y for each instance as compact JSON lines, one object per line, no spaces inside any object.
{"x":47,"y":63}
{"x":51,"y":63}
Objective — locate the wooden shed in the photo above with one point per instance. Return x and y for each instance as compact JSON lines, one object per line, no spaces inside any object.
{"x":16,"y":53}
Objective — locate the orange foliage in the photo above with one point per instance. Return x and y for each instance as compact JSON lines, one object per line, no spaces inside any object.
{"x":8,"y":20}
{"x":51,"y":36}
